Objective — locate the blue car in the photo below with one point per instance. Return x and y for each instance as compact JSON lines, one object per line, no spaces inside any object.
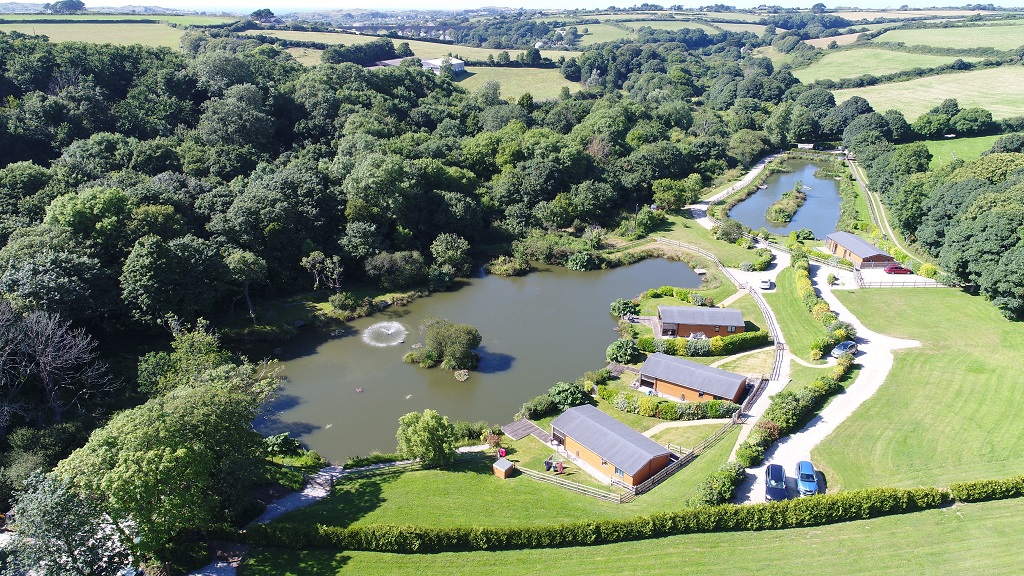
{"x":775,"y":482}
{"x":806,"y":479}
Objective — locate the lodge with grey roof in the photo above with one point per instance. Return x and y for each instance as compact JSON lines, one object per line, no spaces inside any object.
{"x":689,"y":381}
{"x":709,"y":322}
{"x":857,"y":250}
{"x":609,"y":445}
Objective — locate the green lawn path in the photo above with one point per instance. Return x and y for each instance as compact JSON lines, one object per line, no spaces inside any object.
{"x":799,"y":328}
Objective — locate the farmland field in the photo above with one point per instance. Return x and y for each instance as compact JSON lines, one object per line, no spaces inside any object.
{"x":541,"y":83}
{"x":967,"y":539}
{"x":669,"y":25}
{"x":305,"y":56}
{"x":754,"y":28}
{"x":598,"y":33}
{"x":950,"y":410}
{"x":999,"y":90}
{"x":999,"y":37}
{"x":853,"y":63}
{"x":944,"y":150}
{"x":420,"y":49}
{"x":145,"y":34}
{"x":842,"y":40}
{"x":187,"y":20}
{"x":871,"y":14}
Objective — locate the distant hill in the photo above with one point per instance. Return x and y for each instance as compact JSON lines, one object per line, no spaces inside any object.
{"x":26,"y":8}
{"x":19,"y":7}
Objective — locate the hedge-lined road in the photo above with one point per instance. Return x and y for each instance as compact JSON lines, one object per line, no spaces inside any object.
{"x":875,"y":358}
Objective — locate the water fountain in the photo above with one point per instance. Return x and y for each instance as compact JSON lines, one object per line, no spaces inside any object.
{"x":385,"y":334}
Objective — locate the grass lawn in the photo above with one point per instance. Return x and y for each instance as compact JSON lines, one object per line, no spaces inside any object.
{"x":306,"y":56}
{"x":853,"y":63}
{"x":751,"y":313}
{"x":541,"y":83}
{"x":145,"y":34}
{"x":597,"y":33}
{"x":998,"y":90}
{"x":968,"y":539}
{"x":468,"y":494}
{"x":685,"y":229}
{"x":952,"y":409}
{"x":686,"y":436}
{"x":754,"y":28}
{"x":799,"y":328}
{"x":759,"y":362}
{"x":530,"y":453}
{"x":674,"y":25}
{"x":943,"y":151}
{"x":998,"y":37}
{"x":841,"y":40}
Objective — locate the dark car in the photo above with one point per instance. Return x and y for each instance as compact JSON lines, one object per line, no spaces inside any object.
{"x":897,"y":269}
{"x":806,"y":478}
{"x":775,"y":482}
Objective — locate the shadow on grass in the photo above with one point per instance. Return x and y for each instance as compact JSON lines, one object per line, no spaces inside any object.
{"x":351,"y":500}
{"x":749,"y":326}
{"x":273,"y":562}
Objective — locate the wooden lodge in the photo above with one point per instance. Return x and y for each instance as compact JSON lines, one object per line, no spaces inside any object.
{"x":685,"y":320}
{"x":609,"y":445}
{"x":689,"y":381}
{"x":860,"y":252}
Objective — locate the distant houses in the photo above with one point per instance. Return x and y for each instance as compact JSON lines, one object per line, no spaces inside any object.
{"x":608,"y":445}
{"x":860,"y":252}
{"x":433,"y":64}
{"x":689,"y":381}
{"x":686,"y":320}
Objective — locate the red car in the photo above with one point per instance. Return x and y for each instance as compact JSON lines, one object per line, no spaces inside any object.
{"x":897,"y":269}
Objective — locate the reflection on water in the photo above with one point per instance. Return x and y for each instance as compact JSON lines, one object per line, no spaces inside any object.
{"x":819,"y":213}
{"x":537,"y":330}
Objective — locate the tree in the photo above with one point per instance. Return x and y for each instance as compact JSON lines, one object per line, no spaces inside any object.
{"x":428,"y":437}
{"x":262,"y":15}
{"x":65,"y":6}
{"x":246,"y":268}
{"x":931,"y":125}
{"x":62,"y":533}
{"x":452,"y":250}
{"x":566,"y":395}
{"x":622,"y":351}
{"x":393,"y":270}
{"x":239,"y":117}
{"x":622,"y":307}
{"x":747,"y":146}
{"x":675,"y":194}
{"x":452,"y":345}
{"x":325,"y":269}
{"x":195,"y":350}
{"x":970,"y":121}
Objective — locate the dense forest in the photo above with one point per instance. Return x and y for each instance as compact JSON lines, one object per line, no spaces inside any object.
{"x":144,"y":190}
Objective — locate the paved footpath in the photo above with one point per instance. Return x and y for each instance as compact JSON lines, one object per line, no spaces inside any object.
{"x":875,"y":355}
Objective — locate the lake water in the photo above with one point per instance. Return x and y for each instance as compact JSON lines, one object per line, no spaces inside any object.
{"x":819,"y":213}
{"x":551,"y":325}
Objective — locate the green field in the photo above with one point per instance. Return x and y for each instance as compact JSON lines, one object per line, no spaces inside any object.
{"x":950,"y":410}
{"x":686,"y":436}
{"x":145,"y":34}
{"x":306,"y":56}
{"x":420,"y":49}
{"x":853,"y":63}
{"x":759,"y":362}
{"x":799,"y":328}
{"x":670,"y":25}
{"x":943,"y":151}
{"x":999,"y":90}
{"x":468,"y":494}
{"x":873,"y":14}
{"x":966,"y":539}
{"x":541,"y":83}
{"x":597,"y":33}
{"x":184,"y":20}
{"x":687,"y":230}
{"x":998,"y":37}
{"x":755,"y":28}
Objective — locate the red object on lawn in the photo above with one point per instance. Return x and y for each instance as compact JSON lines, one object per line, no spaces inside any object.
{"x":501,"y":452}
{"x":560,"y":468}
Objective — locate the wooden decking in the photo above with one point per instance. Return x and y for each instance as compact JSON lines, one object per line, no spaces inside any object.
{"x":522,"y":428}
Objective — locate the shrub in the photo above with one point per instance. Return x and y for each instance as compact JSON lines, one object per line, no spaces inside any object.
{"x":981,"y":490}
{"x":343,"y":301}
{"x":815,"y":354}
{"x":623,"y":307}
{"x":709,"y":301}
{"x":831,"y":279}
{"x":928,"y":271}
{"x":282,"y":445}
{"x":582,"y":261}
{"x":746,"y":266}
{"x":718,"y":487}
{"x":598,"y":377}
{"x":717,"y":346}
{"x":667,"y":291}
{"x":464,"y":430}
{"x":625,"y":402}
{"x":697,"y":298}
{"x":669,"y":410}
{"x":566,"y":395}
{"x":749,"y":454}
{"x":508,"y":266}
{"x":623,"y":351}
{"x":682,"y":294}
{"x":537,"y":407}
{"x":652,"y":293}
{"x":373,"y":458}
{"x":606,"y":393}
{"x":646,"y":344}
{"x":698,"y":347}
{"x":647,"y":406}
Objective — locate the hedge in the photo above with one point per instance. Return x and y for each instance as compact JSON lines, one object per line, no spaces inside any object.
{"x":653,"y":406}
{"x":803,"y":512}
{"x":716,"y":346}
{"x":981,"y":490}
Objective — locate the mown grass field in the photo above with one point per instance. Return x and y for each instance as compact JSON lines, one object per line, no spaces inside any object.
{"x":853,"y":63}
{"x":943,"y":151}
{"x":468,"y":494}
{"x":419,"y":48}
{"x":185,"y":20}
{"x":145,"y":34}
{"x":306,"y":56}
{"x":999,"y":90}
{"x":686,"y":436}
{"x":685,"y":229}
{"x":872,"y":14}
{"x":999,"y":37}
{"x":952,"y":409}
{"x":759,"y":362}
{"x":541,"y":83}
{"x":799,"y":328}
{"x":597,"y":33}
{"x":672,"y":25}
{"x":967,"y":539}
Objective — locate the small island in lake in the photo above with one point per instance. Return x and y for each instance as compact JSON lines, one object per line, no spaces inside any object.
{"x":785,"y":208}
{"x":448,"y":344}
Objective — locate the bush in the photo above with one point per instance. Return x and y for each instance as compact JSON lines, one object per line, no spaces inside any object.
{"x":981,"y":490}
{"x":343,"y":301}
{"x":626,"y":402}
{"x":647,"y":406}
{"x":669,"y":410}
{"x":606,"y":393}
{"x":717,"y":346}
{"x":582,"y":261}
{"x":928,"y":270}
{"x":698,"y":347}
{"x":697,"y":299}
{"x":373,"y":458}
{"x":749,"y":454}
{"x":646,"y":344}
{"x":667,"y":291}
{"x":682,"y":294}
{"x":508,"y":266}
{"x":537,"y":407}
{"x":623,"y":307}
{"x":746,"y":266}
{"x":623,"y":351}
{"x":282,"y":445}
{"x":464,"y":430}
{"x":567,"y":395}
{"x":719,"y":486}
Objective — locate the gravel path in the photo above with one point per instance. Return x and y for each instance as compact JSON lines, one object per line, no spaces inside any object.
{"x":875,"y":357}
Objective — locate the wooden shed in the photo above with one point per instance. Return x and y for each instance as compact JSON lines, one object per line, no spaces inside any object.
{"x":862,"y":253}
{"x":503,"y":468}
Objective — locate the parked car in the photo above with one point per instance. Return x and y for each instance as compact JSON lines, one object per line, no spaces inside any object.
{"x":766,"y":284}
{"x":775,"y":482}
{"x":897,"y":269}
{"x":806,"y":478}
{"x":844,"y":347}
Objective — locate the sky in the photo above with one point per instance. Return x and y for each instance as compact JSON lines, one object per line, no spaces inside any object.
{"x":282,"y":7}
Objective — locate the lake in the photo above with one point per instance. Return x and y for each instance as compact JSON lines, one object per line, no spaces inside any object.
{"x":819,"y":213}
{"x":551,"y":325}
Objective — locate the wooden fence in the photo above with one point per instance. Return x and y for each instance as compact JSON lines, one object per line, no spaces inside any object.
{"x":577,"y":487}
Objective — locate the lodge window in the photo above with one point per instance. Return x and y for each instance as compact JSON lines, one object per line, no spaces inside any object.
{"x":716,"y":328}
{"x":700,"y":394}
{"x":732,"y":328}
{"x":604,"y":462}
{"x":619,"y":472}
